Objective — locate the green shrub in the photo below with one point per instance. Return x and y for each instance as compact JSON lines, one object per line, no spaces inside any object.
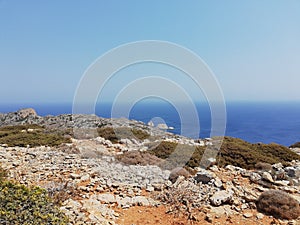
{"x":240,"y":153}
{"x":32,"y":135}
{"x":278,"y":204}
{"x":114,"y":134}
{"x":296,"y":145}
{"x":184,"y":154}
{"x":3,"y":174}
{"x":22,"y":205}
{"x":233,"y":151}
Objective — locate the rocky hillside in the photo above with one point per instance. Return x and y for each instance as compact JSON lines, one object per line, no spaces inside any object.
{"x":118,"y":177}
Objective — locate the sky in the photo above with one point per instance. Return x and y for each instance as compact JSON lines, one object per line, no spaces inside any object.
{"x":252,"y":47}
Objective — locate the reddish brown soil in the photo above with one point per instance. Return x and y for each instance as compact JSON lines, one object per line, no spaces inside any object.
{"x":157,"y":215}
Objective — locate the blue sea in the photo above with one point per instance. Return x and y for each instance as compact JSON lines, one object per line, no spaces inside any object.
{"x":253,"y":122}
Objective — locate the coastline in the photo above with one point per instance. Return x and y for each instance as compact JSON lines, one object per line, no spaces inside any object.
{"x":265,"y":122}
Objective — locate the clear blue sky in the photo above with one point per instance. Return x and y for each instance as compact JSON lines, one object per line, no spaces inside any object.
{"x":253,"y":47}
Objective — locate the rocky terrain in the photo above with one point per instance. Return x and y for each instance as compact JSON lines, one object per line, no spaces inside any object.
{"x":91,"y":183}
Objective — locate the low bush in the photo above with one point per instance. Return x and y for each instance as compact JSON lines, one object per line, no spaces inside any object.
{"x":263,"y":166}
{"x":138,"y":158}
{"x":22,"y":205}
{"x":240,"y":153}
{"x":296,"y":145}
{"x":177,"y":172}
{"x":60,"y":191}
{"x":32,"y":135}
{"x":178,"y":154}
{"x":115,"y":134}
{"x":278,"y":204}
{"x":233,"y":151}
{"x":3,"y":174}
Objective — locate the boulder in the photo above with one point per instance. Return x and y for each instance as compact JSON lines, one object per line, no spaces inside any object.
{"x":221,"y":197}
{"x":292,"y":171}
{"x":204,"y":176}
{"x":106,"y":198}
{"x":24,"y":113}
{"x":267,"y":176}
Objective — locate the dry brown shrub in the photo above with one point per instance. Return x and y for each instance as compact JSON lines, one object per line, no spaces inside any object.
{"x":139,"y":158}
{"x":60,"y":191}
{"x":278,"y":204}
{"x":179,"y":171}
{"x":263,"y":166}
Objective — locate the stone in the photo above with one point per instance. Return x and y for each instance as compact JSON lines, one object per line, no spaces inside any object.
{"x":96,"y":209}
{"x":277,"y":166}
{"x":85,"y":178}
{"x":268,"y":177}
{"x":282,"y":182}
{"x":292,"y":172}
{"x":204,"y":176}
{"x":209,"y":218}
{"x":140,"y":201}
{"x":124,"y":202}
{"x":221,"y":197}
{"x":218,"y":183}
{"x":234,"y":168}
{"x":72,"y":204}
{"x":24,"y":113}
{"x":150,"y":188}
{"x":248,"y":194}
{"x":259,"y":216}
{"x":247,"y":215}
{"x":244,"y":206}
{"x":221,"y":210}
{"x":106,"y":198}
{"x":255,"y":177}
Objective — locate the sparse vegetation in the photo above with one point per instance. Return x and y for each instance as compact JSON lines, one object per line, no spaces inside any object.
{"x":30,"y":134}
{"x":233,"y":151}
{"x":138,"y":158}
{"x":179,"y":153}
{"x":263,"y":166}
{"x":296,"y":145}
{"x":278,"y":204}
{"x":240,"y":153}
{"x":115,"y":134}
{"x":177,"y":172}
{"x":22,"y":205}
{"x":181,"y":199}
{"x":3,"y":174}
{"x":60,"y":191}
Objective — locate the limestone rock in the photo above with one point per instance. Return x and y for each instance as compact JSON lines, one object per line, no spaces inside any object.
{"x":255,"y":177}
{"x":24,"y":113}
{"x":221,"y":197}
{"x":247,"y":215}
{"x":268,"y":177}
{"x":106,"y":198}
